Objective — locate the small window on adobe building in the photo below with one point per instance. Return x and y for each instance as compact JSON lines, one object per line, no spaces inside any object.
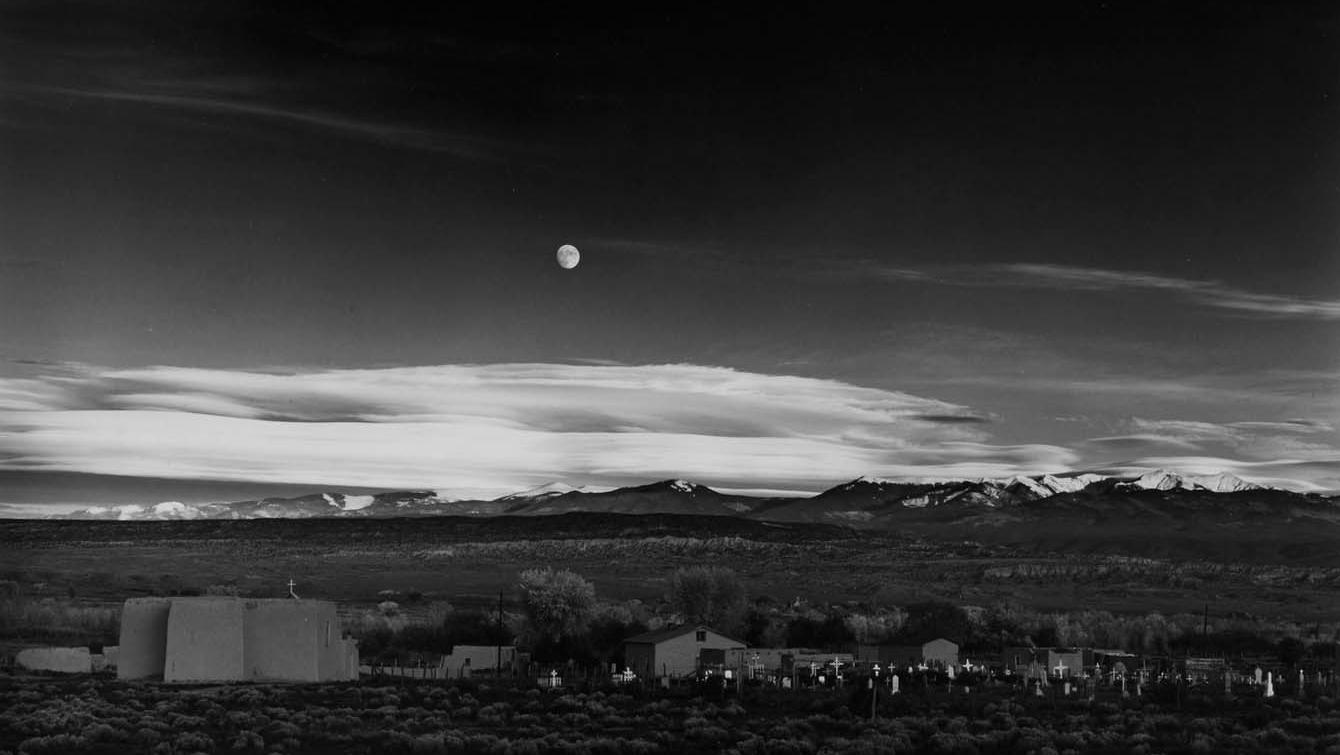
{"x":702,"y":635}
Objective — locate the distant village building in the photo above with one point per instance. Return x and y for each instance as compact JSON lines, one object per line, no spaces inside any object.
{"x":756,"y":663}
{"x":1067,"y":662}
{"x":470,"y":659}
{"x":1047,"y":662}
{"x":805,"y":661}
{"x":228,"y":639}
{"x":938,"y":653}
{"x":676,"y":651}
{"x":59,"y":660}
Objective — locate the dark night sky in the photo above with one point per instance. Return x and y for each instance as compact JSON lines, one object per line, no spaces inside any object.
{"x":283,"y":246}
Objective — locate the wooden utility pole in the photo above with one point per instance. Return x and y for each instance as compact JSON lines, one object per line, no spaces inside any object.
{"x":497,"y":671}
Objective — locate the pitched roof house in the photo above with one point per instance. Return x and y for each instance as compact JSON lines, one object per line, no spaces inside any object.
{"x":675,"y":651}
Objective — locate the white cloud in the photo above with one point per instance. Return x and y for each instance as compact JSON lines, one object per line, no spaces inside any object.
{"x":1188,"y":431}
{"x":482,"y":430}
{"x":489,"y":429}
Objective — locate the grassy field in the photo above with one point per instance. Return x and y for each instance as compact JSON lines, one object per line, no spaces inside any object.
{"x":469,"y":561}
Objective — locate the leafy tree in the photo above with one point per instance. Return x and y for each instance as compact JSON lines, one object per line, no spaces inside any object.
{"x":558,"y":603}
{"x":875,"y":629}
{"x":709,"y":595}
{"x":608,"y":632}
{"x":927,"y":621}
{"x":473,"y":627}
{"x":831,"y":633}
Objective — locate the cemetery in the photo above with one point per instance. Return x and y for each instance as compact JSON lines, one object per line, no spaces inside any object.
{"x":681,"y":687}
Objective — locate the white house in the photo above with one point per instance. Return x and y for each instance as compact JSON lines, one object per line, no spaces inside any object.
{"x":675,"y":651}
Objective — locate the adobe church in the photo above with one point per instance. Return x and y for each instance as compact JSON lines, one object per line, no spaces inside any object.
{"x":228,"y":639}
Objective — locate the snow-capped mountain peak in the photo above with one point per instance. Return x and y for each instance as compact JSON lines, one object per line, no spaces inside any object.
{"x":1225,"y":483}
{"x":1036,"y":487}
{"x":347,"y":502}
{"x":175,"y":510}
{"x":1162,"y":479}
{"x":131,"y":512}
{"x":1069,"y":484}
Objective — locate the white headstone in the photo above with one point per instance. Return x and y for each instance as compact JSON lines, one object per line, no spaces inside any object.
{"x":1270,"y":684}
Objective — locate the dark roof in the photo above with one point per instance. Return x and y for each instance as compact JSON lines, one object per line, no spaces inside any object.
{"x":661,"y":635}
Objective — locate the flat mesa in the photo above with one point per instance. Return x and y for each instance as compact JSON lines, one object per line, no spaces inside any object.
{"x":568,"y":256}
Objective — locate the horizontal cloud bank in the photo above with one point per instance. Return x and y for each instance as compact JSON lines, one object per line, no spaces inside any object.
{"x":488,"y":430}
{"x":492,"y":429}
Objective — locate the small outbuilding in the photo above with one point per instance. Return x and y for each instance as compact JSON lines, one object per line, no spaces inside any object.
{"x":940,"y":653}
{"x":59,"y":660}
{"x":465,"y":660}
{"x":228,"y":639}
{"x":675,"y":651}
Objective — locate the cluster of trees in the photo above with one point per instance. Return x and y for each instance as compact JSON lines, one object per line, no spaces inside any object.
{"x":563,"y":618}
{"x":54,"y":620}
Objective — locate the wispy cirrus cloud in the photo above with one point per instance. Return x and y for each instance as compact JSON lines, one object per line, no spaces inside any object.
{"x":1064,"y":277}
{"x":1296,"y":453}
{"x":204,"y":100}
{"x":491,"y":429}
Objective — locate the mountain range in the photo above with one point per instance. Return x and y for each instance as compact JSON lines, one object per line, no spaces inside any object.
{"x":863,"y":502}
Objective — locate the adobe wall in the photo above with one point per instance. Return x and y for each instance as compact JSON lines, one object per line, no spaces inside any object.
{"x":940,"y":651}
{"x":350,"y":666}
{"x":467,"y":659}
{"x":204,"y":640}
{"x":106,"y":659}
{"x":337,"y":660}
{"x":62,"y":660}
{"x":332,"y":649}
{"x":144,"y":630}
{"x":283,"y":639}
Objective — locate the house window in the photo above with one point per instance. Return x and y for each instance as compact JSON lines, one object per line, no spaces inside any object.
{"x":702,"y":635}
{"x":327,"y":634}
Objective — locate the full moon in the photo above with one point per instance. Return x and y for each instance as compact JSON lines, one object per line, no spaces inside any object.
{"x":568,"y":256}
